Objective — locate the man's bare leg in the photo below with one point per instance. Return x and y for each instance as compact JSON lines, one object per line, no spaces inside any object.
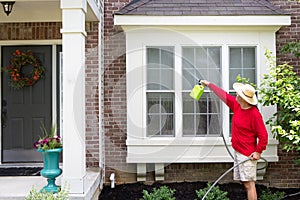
{"x":250,"y":189}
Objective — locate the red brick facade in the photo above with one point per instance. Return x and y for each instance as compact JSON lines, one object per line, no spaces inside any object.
{"x":115,"y":118}
{"x":92,"y":95}
{"x":290,"y":33}
{"x":30,"y":31}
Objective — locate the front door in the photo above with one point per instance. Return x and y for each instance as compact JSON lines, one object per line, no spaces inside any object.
{"x":24,"y":110}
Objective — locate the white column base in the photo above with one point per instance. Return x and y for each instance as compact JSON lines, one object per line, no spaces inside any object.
{"x":141,"y":172}
{"x":75,"y":185}
{"x":159,"y":172}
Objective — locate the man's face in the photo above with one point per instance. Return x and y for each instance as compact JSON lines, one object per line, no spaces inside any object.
{"x":239,"y":99}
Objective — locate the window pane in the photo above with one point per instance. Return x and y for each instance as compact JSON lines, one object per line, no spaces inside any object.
{"x":201,"y":124}
{"x":214,"y":58}
{"x":160,"y":68}
{"x":249,"y":57}
{"x":153,"y":78}
{"x":235,"y":58}
{"x":200,"y":63}
{"x":242,"y":62}
{"x":152,"y":56}
{"x":167,"y":79}
{"x":160,"y":114}
{"x":214,"y":124}
{"x":214,"y":75}
{"x":188,"y":57}
{"x":250,"y":73}
{"x":201,"y":57}
{"x":167,"y":59}
{"x":187,"y":78}
{"x":233,"y":73}
{"x":167,"y":125}
{"x":201,"y":118}
{"x":188,"y":125}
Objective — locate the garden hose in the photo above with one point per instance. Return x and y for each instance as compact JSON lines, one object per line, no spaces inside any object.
{"x":213,"y":185}
{"x":227,"y":148}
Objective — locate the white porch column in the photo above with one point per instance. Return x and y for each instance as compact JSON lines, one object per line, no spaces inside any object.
{"x":73,"y":125}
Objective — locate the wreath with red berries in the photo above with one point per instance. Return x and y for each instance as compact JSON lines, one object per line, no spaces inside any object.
{"x":14,"y":70}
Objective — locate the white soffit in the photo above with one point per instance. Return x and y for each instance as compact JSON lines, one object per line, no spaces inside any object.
{"x":41,"y":11}
{"x":140,"y":20}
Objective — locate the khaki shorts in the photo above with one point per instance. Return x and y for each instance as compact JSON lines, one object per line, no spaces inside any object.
{"x":245,"y":171}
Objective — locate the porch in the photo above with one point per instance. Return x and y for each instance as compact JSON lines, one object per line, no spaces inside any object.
{"x":18,"y":187}
{"x":71,"y":17}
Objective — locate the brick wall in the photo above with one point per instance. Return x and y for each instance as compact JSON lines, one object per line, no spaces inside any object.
{"x":115,"y":97}
{"x":30,"y":31}
{"x":92,"y":94}
{"x":278,"y":174}
{"x":289,"y":33}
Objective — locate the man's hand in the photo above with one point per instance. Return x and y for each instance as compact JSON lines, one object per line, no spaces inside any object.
{"x":204,"y":83}
{"x":255,"y":156}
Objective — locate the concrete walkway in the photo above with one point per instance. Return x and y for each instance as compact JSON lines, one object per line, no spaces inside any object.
{"x":18,"y":187}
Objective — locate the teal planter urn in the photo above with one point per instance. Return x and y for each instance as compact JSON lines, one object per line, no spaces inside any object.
{"x":51,"y":168}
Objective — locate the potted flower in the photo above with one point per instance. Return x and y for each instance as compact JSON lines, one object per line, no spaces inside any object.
{"x":50,"y":146}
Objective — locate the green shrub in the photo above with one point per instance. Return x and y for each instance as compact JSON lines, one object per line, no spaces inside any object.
{"x":214,"y":194}
{"x":34,"y":194}
{"x":268,"y":195}
{"x":163,"y":193}
{"x":281,"y":87}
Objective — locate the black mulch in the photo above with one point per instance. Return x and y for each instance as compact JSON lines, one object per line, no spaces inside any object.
{"x":185,"y":191}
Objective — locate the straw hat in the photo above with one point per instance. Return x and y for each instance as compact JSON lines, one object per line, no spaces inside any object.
{"x":246,"y":91}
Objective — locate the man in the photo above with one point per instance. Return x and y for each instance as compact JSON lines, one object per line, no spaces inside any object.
{"x":249,"y":134}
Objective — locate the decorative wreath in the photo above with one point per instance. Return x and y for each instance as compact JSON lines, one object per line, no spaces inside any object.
{"x":14,"y":70}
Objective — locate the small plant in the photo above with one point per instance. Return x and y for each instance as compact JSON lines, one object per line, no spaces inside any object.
{"x":49,"y":140}
{"x":34,"y":194}
{"x":163,"y":193}
{"x":268,"y":195}
{"x":214,"y":194}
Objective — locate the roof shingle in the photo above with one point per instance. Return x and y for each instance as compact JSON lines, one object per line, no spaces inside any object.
{"x":200,"y":8}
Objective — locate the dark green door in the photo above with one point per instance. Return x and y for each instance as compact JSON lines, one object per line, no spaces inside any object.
{"x":25,"y":109}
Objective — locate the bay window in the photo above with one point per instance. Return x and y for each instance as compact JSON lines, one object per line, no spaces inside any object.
{"x":164,"y":124}
{"x":165,"y":57}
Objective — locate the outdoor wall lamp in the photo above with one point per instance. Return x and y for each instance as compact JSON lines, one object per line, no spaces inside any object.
{"x":7,"y":6}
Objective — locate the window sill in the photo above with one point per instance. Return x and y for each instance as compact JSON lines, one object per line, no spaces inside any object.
{"x":186,"y":150}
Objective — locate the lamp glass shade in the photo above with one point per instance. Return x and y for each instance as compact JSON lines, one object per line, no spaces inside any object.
{"x":7,"y":6}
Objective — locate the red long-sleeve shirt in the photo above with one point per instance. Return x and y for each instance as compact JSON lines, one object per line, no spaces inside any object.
{"x":247,"y":125}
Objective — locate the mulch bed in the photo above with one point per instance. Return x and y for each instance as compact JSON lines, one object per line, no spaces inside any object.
{"x":185,"y":191}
